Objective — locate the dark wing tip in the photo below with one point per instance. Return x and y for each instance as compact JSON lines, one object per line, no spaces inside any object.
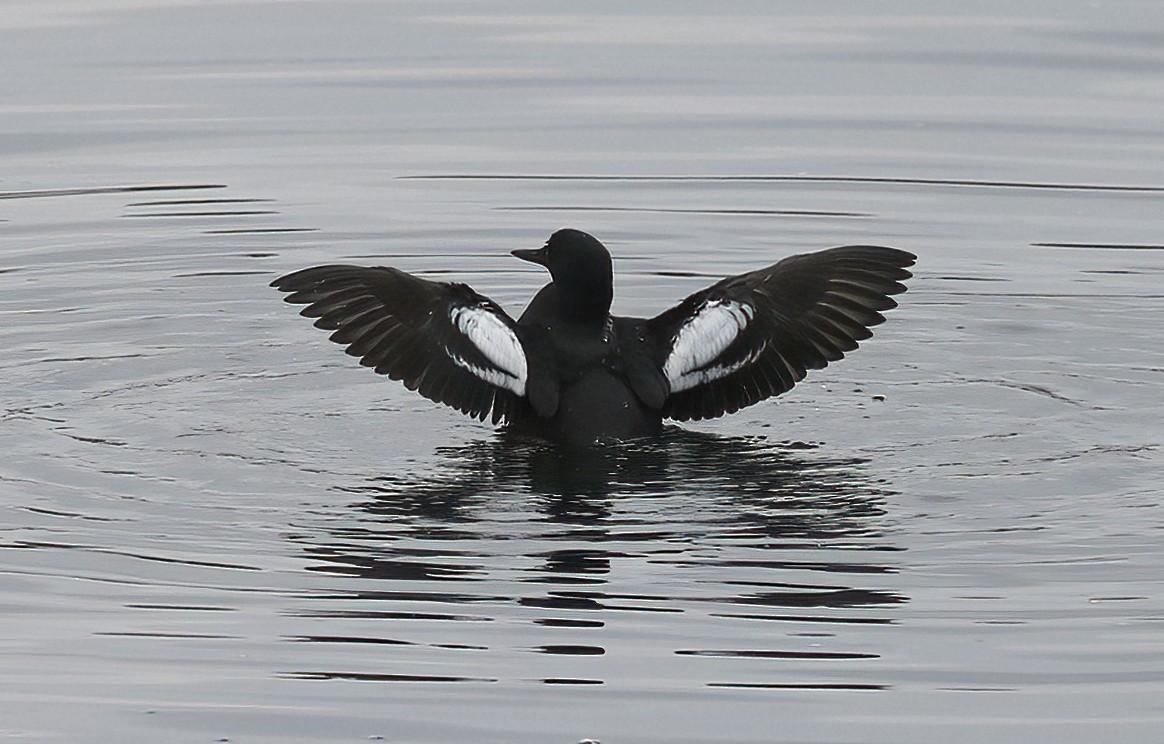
{"x":316,"y":277}
{"x":878,"y":256}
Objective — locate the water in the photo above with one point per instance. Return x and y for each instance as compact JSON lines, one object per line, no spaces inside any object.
{"x":218,"y":527}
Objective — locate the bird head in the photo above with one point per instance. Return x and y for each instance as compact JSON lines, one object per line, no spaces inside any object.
{"x":581,"y":268}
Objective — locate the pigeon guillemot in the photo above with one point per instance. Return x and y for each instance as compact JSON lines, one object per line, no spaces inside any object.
{"x":570,"y":371}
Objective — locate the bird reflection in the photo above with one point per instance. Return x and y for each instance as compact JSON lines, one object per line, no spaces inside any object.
{"x":567,"y":540}
{"x":779,"y":488}
{"x":710,"y":491}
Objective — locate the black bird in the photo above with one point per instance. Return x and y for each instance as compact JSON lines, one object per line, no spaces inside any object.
{"x":568,"y":370}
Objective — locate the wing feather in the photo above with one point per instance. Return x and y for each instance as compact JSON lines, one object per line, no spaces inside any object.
{"x":444,"y":340}
{"x":799,"y":314}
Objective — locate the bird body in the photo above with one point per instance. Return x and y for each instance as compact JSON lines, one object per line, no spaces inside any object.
{"x":568,"y":371}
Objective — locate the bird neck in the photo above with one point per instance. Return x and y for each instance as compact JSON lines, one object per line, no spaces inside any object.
{"x":556,"y":304}
{"x":585,"y":304}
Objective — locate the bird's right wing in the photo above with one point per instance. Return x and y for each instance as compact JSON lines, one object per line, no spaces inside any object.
{"x":753,"y":336}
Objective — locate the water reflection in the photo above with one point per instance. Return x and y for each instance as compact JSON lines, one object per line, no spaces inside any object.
{"x":716,"y":532}
{"x":779,"y":488}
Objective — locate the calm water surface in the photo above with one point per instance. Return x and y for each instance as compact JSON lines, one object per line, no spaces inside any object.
{"x":215,"y":526}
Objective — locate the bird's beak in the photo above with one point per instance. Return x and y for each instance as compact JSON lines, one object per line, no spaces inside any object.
{"x":536,"y":255}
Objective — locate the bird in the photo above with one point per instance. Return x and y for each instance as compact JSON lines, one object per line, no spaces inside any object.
{"x":568,"y":371}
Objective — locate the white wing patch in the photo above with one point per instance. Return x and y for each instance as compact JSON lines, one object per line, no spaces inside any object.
{"x":702,"y":339}
{"x":497,"y":342}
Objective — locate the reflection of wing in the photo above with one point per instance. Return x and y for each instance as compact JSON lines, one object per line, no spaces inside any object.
{"x":445,"y":341}
{"x":753,"y":336}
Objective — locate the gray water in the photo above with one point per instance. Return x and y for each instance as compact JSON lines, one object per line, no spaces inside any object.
{"x":215,"y":526}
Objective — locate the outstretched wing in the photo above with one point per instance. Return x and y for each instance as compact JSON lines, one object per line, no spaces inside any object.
{"x":446,"y":341}
{"x":753,"y":336}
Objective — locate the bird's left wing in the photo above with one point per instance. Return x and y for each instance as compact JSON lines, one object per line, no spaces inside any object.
{"x":446,"y":341}
{"x":752,"y":336}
